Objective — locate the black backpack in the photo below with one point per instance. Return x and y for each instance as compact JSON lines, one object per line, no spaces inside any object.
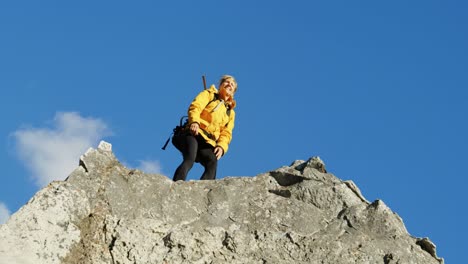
{"x":177,"y":130}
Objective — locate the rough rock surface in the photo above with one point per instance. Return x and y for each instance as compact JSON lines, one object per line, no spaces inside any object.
{"x":106,"y":213}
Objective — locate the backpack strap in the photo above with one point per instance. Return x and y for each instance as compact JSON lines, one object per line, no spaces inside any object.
{"x":216,"y":97}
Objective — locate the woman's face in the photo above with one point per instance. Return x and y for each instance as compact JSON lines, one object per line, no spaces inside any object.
{"x":228,"y":87}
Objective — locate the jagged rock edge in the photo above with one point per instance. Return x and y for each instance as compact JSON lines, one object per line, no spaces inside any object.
{"x":424,"y":243}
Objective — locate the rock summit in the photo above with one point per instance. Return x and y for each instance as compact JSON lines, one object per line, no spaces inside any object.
{"x":107,"y":213}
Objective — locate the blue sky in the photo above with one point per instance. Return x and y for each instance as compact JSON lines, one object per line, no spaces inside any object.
{"x":377,"y":89}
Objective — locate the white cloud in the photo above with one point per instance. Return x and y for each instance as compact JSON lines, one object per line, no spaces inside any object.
{"x":4,"y":213}
{"x":150,"y":166}
{"x":53,"y":153}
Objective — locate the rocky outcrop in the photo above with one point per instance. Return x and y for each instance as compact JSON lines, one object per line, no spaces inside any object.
{"x":106,"y":213}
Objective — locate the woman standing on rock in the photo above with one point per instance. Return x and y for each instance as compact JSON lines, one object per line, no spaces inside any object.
{"x":208,"y":133}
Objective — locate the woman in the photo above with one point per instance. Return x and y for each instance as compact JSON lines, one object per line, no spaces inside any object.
{"x":209,"y":130}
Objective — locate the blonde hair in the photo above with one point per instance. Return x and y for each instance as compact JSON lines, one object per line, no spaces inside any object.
{"x":228,"y":77}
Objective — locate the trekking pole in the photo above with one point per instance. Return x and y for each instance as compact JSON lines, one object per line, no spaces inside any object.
{"x":204,"y":81}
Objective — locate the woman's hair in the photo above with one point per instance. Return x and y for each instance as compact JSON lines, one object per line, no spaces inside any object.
{"x":226,"y":77}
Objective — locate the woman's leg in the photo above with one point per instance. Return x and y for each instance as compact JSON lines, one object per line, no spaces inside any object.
{"x":188,"y":145}
{"x":209,"y":161}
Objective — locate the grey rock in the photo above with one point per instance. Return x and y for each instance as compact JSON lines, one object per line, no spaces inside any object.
{"x":107,"y":213}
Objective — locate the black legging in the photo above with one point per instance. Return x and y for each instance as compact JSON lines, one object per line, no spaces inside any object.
{"x":195,"y":149}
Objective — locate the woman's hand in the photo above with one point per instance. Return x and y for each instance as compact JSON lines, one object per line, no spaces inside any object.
{"x":218,"y":151}
{"x":194,"y":128}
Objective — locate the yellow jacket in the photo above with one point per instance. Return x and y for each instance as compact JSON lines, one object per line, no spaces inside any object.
{"x":212,"y":116}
